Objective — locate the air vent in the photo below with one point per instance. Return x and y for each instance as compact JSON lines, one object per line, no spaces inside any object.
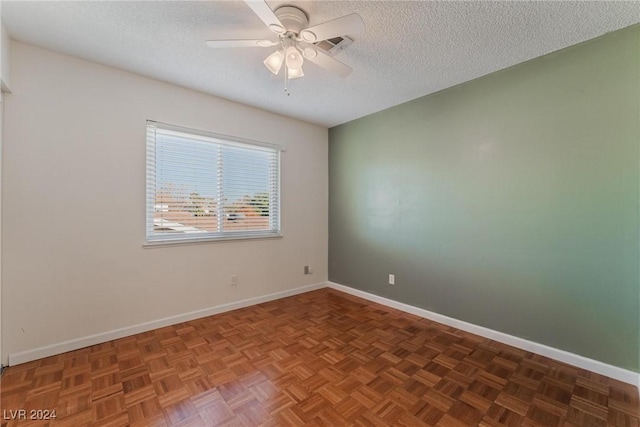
{"x":334,"y":45}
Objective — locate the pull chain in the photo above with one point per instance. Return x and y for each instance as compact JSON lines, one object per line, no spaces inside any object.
{"x":286,"y":80}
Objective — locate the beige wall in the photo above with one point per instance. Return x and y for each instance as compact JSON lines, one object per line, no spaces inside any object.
{"x":2,"y":361}
{"x":74,"y":204}
{"x":4,"y":85}
{"x":5,"y":51}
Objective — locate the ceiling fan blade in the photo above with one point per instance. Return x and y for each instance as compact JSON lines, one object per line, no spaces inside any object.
{"x":327,"y":62}
{"x":240,"y":43}
{"x":264,"y":12}
{"x":349,"y":24}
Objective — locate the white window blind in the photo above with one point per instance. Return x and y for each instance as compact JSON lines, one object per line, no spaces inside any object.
{"x":204,"y":186}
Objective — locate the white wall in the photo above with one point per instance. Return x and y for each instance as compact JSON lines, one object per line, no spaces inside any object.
{"x":74,"y":204}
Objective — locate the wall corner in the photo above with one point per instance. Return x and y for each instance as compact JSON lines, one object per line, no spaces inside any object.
{"x":5,"y":57}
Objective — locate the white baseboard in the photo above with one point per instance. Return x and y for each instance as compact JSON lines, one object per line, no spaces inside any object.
{"x":75,"y":344}
{"x":601,"y":368}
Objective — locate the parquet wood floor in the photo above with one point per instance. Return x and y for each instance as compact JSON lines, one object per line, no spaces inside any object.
{"x":318,"y":359}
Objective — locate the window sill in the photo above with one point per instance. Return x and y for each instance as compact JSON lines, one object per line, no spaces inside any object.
{"x":204,"y":241}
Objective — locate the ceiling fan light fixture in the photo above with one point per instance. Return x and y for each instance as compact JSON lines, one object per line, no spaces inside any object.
{"x":274,"y":62}
{"x":308,"y":36}
{"x":293,"y":58}
{"x":295,"y":73}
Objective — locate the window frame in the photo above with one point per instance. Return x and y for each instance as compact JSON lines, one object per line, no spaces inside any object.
{"x":154,"y":240}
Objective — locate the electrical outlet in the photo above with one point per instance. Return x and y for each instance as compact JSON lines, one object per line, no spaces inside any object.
{"x":234,"y":280}
{"x":392,"y":279}
{"x":307,"y":270}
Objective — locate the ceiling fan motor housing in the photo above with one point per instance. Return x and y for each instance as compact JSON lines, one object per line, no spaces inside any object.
{"x":293,"y":19}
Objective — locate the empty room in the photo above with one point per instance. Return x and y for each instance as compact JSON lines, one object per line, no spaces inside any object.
{"x":320,"y":213}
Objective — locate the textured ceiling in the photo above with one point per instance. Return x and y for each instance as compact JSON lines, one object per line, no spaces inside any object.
{"x":408,"y":49}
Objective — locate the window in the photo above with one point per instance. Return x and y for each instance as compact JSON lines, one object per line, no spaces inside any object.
{"x":203,"y":186}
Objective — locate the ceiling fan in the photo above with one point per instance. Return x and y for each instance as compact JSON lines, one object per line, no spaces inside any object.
{"x":296,"y":39}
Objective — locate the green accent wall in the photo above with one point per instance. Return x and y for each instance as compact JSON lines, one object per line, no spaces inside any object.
{"x":511,"y":201}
